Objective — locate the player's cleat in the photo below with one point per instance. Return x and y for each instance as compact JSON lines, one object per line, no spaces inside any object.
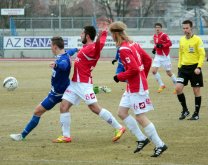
{"x":159,"y":150}
{"x":62,"y":139}
{"x":141,"y":145}
{"x":184,"y":114}
{"x":118,"y":134}
{"x":161,"y":88}
{"x":16,"y":137}
{"x":195,"y":116}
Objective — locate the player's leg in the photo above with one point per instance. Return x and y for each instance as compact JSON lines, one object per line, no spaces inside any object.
{"x":155,"y":66}
{"x":144,"y":105}
{"x":88,"y":95}
{"x":151,"y":132}
{"x":69,"y":98}
{"x":39,"y":110}
{"x":65,"y":122}
{"x":108,"y":117}
{"x":197,"y":83}
{"x":130,"y":122}
{"x":172,"y":76}
{"x":182,"y":81}
{"x":48,"y":103}
{"x":166,"y":63}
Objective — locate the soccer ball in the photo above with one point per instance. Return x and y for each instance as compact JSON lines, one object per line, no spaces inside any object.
{"x":10,"y":83}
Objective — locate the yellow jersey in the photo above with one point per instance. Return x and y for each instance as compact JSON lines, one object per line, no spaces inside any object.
{"x":191,"y":51}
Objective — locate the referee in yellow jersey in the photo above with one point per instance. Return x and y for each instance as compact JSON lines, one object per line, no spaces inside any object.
{"x":191,"y":59}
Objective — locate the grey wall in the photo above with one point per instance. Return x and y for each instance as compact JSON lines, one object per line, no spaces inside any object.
{"x":46,"y":53}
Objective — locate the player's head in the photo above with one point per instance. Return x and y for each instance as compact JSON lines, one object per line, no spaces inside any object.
{"x":158,"y":27}
{"x":118,"y":32}
{"x":57,"y":44}
{"x":89,"y":33}
{"x":187,"y":27}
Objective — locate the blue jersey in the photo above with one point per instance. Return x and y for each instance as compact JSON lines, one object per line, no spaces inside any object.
{"x":59,"y":80}
{"x":120,"y":67}
{"x":60,"y":74}
{"x":71,"y":51}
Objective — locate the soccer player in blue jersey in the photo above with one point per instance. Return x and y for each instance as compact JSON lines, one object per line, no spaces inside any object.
{"x":59,"y":82}
{"x":120,"y":67}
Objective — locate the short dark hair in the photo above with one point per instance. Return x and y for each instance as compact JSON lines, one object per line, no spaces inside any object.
{"x":58,"y":41}
{"x":188,"y":22}
{"x":158,"y":24}
{"x":91,"y":31}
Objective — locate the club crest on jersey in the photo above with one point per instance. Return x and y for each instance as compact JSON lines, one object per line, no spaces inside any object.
{"x":127,"y":59}
{"x":142,"y":105}
{"x":148,"y":101}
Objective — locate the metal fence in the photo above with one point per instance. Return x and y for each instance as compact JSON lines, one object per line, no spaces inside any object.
{"x":79,"y":22}
{"x":1,"y":46}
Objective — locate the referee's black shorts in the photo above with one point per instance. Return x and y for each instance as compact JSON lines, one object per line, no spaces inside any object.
{"x":186,"y":73}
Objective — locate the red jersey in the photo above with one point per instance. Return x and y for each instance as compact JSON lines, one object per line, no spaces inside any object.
{"x":137,"y":64}
{"x":163,"y":39}
{"x":87,"y":59}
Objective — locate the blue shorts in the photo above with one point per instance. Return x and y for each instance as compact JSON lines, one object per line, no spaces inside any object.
{"x":51,"y":100}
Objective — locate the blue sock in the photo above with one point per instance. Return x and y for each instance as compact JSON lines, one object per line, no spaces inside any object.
{"x":30,"y":126}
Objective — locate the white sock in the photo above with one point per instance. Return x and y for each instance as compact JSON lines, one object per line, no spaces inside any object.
{"x":158,"y":78}
{"x":132,"y":125}
{"x":65,"y":120}
{"x":108,"y":117}
{"x":173,"y":77}
{"x":153,"y":136}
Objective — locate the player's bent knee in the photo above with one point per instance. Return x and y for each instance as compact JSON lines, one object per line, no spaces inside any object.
{"x":122,"y":114}
{"x":178,"y":89}
{"x":39,"y":111}
{"x":64,"y":106}
{"x":95,"y":108}
{"x":154,"y":72}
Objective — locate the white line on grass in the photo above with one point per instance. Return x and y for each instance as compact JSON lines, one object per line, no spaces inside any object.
{"x":91,"y":162}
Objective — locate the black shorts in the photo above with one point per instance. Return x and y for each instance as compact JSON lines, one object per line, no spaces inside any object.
{"x":186,"y":73}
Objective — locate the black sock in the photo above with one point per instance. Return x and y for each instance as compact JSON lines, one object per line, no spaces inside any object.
{"x":182,"y":100}
{"x":197,"y":104}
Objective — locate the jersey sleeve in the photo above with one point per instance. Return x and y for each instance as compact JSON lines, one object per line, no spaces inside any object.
{"x":130,"y":65}
{"x":180,"y":54}
{"x":201,"y":52}
{"x":167,"y":41}
{"x":100,"y":42}
{"x":63,"y":64}
{"x":146,"y":60}
{"x":71,"y":51}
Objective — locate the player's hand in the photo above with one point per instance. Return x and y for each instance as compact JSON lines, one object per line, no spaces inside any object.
{"x":103,"y":23}
{"x":159,"y":45}
{"x":197,"y":71}
{"x":153,"y":51}
{"x":53,"y":65}
{"x":113,"y":61}
{"x":116,"y":78}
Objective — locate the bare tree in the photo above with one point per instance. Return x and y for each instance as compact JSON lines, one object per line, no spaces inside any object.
{"x":9,"y":4}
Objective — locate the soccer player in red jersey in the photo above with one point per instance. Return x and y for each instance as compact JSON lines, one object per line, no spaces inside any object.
{"x":137,"y":64}
{"x":161,"y":50}
{"x":81,"y":86}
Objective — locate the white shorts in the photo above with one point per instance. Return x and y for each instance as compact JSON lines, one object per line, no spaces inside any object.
{"x":163,"y":61}
{"x":77,"y":91}
{"x":137,"y":102}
